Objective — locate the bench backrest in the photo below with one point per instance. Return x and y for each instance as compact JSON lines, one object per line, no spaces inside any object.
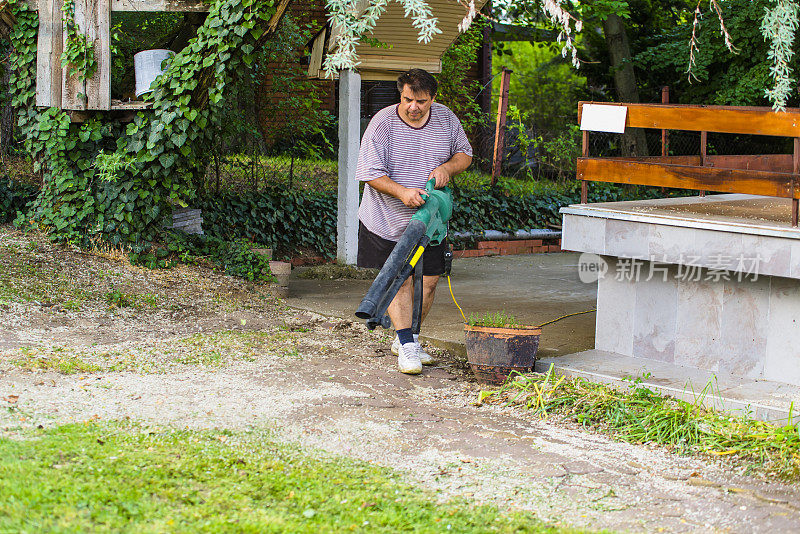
{"x":767,"y":174}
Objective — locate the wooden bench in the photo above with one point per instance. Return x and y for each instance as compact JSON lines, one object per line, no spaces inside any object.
{"x":775,"y":175}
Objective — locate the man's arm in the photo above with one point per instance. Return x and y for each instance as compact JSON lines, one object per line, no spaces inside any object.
{"x":409,"y":195}
{"x":455,"y":165}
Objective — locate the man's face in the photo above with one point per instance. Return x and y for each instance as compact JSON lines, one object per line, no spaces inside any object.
{"x":414,"y":107}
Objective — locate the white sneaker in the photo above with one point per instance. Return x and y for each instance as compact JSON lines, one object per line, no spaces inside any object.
{"x":408,"y":359}
{"x":424,"y":357}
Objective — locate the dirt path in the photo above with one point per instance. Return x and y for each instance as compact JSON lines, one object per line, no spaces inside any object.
{"x":229,"y":356}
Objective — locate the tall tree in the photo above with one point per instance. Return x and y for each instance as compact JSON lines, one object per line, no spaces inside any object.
{"x":619,"y":50}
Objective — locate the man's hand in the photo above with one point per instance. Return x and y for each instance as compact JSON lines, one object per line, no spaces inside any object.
{"x":412,"y":197}
{"x":442,"y":176}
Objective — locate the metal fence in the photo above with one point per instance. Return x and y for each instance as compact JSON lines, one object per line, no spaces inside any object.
{"x":243,"y":161}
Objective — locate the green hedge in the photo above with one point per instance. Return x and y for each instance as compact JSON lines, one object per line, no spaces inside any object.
{"x":291,"y":220}
{"x":284,"y":219}
{"x":486,"y":208}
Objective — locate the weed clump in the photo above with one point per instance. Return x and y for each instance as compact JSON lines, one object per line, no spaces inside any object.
{"x":493,"y":320}
{"x":641,"y":415}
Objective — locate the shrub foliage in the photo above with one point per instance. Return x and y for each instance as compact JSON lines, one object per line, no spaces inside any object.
{"x":107,"y":179}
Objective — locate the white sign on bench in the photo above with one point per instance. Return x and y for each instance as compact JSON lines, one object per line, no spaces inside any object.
{"x":600,"y":118}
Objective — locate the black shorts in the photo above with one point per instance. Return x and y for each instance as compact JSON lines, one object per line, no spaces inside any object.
{"x":373,"y":251}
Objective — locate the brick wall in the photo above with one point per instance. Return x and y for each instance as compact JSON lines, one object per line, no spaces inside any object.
{"x":503,"y":248}
{"x":307,"y":13}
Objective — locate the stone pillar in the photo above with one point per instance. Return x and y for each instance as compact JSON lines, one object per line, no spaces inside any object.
{"x":349,"y":142}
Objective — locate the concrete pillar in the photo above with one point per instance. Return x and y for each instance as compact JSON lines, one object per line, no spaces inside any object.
{"x":349,"y":142}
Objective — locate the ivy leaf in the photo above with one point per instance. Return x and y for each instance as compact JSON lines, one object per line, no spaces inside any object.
{"x":179,"y":140}
{"x":167,"y":160}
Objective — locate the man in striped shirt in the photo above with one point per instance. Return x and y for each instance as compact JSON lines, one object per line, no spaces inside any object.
{"x":404,"y":146}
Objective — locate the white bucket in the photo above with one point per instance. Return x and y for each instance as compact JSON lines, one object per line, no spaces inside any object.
{"x":147,"y":66}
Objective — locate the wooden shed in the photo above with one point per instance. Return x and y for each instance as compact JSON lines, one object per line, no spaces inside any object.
{"x":396,"y":30}
{"x":54,"y":87}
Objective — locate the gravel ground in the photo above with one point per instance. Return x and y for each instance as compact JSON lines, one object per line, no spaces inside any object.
{"x":86,"y":336}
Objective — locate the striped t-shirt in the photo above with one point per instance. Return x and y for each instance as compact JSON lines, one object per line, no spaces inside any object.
{"x":407,"y":155}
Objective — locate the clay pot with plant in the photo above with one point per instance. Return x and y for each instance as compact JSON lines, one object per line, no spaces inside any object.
{"x":497,"y":346}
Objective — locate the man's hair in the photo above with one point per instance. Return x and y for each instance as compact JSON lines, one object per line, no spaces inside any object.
{"x":418,"y":80}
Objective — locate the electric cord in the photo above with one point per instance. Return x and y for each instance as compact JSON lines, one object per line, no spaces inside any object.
{"x":565,"y":316}
{"x":454,"y":299}
{"x":449,"y":285}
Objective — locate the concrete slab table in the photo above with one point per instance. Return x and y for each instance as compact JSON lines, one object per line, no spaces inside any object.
{"x":707,"y":283}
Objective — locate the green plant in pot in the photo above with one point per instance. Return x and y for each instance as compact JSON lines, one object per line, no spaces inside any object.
{"x":497,"y":346}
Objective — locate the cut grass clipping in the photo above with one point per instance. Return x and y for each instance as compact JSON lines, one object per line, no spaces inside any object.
{"x":640,"y":415}
{"x":104,"y":477}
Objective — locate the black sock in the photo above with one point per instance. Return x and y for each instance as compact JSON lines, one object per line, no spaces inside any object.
{"x":405,"y":336}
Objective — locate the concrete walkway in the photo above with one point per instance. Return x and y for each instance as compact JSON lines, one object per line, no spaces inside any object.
{"x":535,"y":288}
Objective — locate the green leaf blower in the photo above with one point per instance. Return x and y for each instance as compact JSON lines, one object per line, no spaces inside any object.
{"x":428,"y":226}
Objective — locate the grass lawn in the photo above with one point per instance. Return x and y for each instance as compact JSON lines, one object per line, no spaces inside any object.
{"x":124,"y":477}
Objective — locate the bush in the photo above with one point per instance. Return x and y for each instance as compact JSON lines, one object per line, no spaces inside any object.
{"x":236,"y":257}
{"x":14,"y":196}
{"x":284,"y":219}
{"x":509,"y":207}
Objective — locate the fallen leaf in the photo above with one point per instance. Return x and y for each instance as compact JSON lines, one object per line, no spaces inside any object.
{"x":12,"y":399}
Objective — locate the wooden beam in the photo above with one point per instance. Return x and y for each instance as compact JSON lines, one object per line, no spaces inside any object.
{"x":722,"y":119}
{"x":48,"y":54}
{"x":585,"y":154}
{"x":502,"y":108}
{"x":178,"y":6}
{"x":93,"y":18}
{"x":400,"y":64}
{"x":73,"y":89}
{"x":762,"y":162}
{"x":98,"y":88}
{"x":272,"y":25}
{"x":130,"y":105}
{"x":764,"y":183}
{"x":317,"y":50}
{"x":796,"y":170}
{"x":7,"y":20}
{"x":665,"y":133}
{"x":703,"y":153}
{"x":673,"y":160}
{"x":758,"y":162}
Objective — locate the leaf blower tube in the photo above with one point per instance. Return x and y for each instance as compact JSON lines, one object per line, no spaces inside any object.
{"x":394,"y":272}
{"x":427,"y":226}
